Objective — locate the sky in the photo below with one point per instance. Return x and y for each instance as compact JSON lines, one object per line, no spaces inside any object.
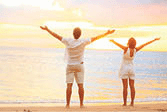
{"x":142,"y":19}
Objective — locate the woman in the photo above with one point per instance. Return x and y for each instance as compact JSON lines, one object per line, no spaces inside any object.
{"x":127,"y":68}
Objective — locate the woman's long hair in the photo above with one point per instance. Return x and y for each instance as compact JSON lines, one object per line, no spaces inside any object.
{"x":132,"y":43}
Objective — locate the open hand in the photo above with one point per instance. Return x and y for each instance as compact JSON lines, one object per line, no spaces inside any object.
{"x":44,"y":27}
{"x":157,"y":38}
{"x":110,"y":31}
{"x":111,"y":40}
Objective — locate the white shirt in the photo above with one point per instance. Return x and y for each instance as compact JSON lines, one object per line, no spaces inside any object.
{"x":75,"y":50}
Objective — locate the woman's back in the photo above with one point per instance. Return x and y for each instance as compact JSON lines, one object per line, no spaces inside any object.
{"x":129,"y":55}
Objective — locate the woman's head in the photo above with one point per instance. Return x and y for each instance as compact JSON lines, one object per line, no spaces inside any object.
{"x":77,"y":32}
{"x":132,"y":43}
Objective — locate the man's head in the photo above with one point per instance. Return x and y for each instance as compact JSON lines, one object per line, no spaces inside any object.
{"x":77,"y":32}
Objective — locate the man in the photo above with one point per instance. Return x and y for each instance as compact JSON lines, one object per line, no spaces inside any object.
{"x":75,"y":64}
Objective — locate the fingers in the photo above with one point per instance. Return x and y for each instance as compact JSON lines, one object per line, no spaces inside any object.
{"x":111,"y":40}
{"x":110,"y":31}
{"x":113,"y":31}
{"x":44,"y":28}
{"x":41,"y":27}
{"x":157,"y":38}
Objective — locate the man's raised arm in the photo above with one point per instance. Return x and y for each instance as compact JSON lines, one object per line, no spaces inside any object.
{"x":52,"y":33}
{"x":102,"y":35}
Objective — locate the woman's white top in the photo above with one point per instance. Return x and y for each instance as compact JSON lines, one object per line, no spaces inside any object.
{"x":127,"y":66}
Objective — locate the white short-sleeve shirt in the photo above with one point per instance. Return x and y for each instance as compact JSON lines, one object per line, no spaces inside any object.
{"x":75,"y":50}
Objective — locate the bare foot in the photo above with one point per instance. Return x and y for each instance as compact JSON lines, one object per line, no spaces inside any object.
{"x":67,"y":106}
{"x":124,"y":105}
{"x":131,"y":105}
{"x":82,"y":106}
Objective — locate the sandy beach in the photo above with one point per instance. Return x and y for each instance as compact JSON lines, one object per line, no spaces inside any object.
{"x":150,"y":107}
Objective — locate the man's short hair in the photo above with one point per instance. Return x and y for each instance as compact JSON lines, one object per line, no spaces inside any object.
{"x":77,"y":32}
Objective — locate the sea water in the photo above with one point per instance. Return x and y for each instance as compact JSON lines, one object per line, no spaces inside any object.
{"x":37,"y":75}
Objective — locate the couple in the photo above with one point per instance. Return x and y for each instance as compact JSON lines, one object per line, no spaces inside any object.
{"x":75,"y":62}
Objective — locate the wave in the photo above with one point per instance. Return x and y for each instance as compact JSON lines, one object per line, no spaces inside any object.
{"x":87,"y":101}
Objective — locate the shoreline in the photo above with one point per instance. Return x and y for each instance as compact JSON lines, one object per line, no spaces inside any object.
{"x":76,"y":103}
{"x":141,"y":106}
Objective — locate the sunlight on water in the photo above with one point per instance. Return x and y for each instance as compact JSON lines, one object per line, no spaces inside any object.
{"x":38,"y":75}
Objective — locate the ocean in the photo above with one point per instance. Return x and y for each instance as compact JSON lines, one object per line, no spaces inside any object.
{"x":37,"y":75}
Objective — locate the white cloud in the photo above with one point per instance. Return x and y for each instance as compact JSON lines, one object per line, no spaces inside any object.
{"x":65,"y":25}
{"x":69,"y":25}
{"x":42,"y":4}
{"x":78,"y":12}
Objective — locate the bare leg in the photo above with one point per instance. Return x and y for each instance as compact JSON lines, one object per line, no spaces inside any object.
{"x":81,"y":94}
{"x":132,"y":88}
{"x":125,"y":91}
{"x":68,"y":94}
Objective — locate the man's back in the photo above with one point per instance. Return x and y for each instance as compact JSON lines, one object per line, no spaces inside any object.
{"x":75,"y":50}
